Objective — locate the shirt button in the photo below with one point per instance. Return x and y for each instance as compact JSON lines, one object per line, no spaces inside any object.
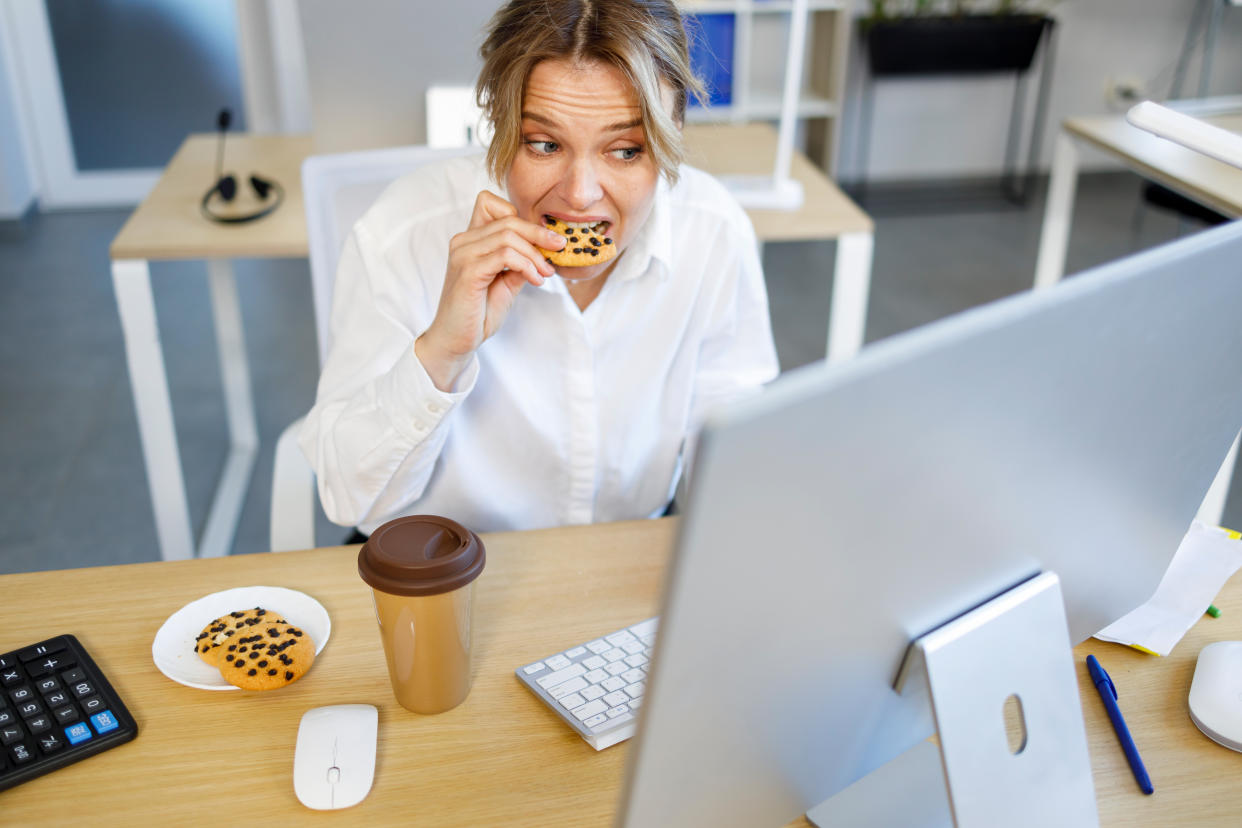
{"x":419,"y":426}
{"x":434,"y":408}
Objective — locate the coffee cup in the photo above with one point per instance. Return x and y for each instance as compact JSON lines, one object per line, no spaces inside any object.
{"x":421,"y":570}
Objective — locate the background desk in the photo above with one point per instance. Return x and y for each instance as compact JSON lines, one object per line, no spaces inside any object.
{"x":1205,"y":180}
{"x":501,"y":757}
{"x":167,"y":225}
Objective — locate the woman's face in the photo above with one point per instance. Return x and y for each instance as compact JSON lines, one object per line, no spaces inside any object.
{"x":583,"y":156}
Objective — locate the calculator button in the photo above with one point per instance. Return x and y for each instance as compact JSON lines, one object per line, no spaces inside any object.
{"x":11,"y":734}
{"x":7,"y":718}
{"x":7,"y":660}
{"x":51,"y":743}
{"x":10,"y":676}
{"x":77,"y":733}
{"x":104,"y":722}
{"x":73,"y":675}
{"x":47,"y":685}
{"x":21,"y":753}
{"x":48,"y":664}
{"x":82,"y":689}
{"x":92,"y":704}
{"x":56,"y":699}
{"x":21,"y":694}
{"x":39,"y":650}
{"x":66,"y":714}
{"x":40,"y":724}
{"x":30,"y":709}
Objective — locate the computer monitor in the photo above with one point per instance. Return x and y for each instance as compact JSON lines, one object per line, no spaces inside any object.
{"x":850,"y":508}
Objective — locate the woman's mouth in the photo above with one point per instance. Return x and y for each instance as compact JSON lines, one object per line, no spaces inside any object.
{"x":600,"y":228}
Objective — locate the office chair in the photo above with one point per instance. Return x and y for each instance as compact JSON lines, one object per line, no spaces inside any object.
{"x":337,"y":190}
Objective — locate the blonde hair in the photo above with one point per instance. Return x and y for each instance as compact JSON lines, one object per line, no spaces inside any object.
{"x":644,"y":39}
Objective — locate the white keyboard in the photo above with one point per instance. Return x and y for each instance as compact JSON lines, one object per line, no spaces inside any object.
{"x":597,"y":687}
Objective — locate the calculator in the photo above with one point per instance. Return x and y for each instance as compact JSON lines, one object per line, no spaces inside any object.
{"x":56,"y":707}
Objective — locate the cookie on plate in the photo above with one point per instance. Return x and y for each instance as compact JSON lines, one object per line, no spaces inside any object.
{"x":585,"y":244}
{"x":267,"y":656}
{"x":225,"y":628}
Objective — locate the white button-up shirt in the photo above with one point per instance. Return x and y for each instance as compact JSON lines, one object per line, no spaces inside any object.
{"x":563,"y":416}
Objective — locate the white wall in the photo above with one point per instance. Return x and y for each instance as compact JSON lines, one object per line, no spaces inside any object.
{"x":947,"y":127}
{"x":17,"y":185}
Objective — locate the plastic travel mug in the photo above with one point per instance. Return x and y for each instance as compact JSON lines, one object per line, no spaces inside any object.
{"x":422,"y":570}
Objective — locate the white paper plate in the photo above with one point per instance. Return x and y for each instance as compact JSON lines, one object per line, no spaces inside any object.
{"x":173,"y":647}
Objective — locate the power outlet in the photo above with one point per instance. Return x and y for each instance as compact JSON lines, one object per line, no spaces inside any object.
{"x":1123,"y":92}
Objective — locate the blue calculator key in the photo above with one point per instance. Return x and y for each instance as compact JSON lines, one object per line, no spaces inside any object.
{"x":77,"y":733}
{"x":104,"y":722}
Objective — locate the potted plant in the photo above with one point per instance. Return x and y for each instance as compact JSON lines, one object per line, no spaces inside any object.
{"x":908,"y":37}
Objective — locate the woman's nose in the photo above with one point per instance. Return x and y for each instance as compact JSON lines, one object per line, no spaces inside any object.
{"x":583,"y":185}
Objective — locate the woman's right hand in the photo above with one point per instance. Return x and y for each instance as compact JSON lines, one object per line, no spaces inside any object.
{"x":488,"y":264}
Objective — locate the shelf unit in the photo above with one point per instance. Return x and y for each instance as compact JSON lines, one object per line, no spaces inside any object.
{"x":757,"y":72}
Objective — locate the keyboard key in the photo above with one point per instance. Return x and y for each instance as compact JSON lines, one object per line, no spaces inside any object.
{"x":21,"y":753}
{"x":636,"y":703}
{"x":77,"y":733}
{"x":104,"y":722}
{"x":11,"y":676}
{"x":596,"y":676}
{"x":7,"y":717}
{"x":39,"y":724}
{"x":637,"y":660}
{"x":11,"y":735}
{"x":92,"y":704}
{"x":616,"y":698}
{"x":530,"y":670}
{"x":613,"y":712}
{"x":572,"y":701}
{"x":619,"y":638}
{"x":46,"y":648}
{"x":29,"y":709}
{"x":51,"y":743}
{"x":21,"y":694}
{"x":613,"y":722}
{"x":593,"y":692}
{"x":66,"y":715}
{"x":632,"y":676}
{"x":73,"y":675}
{"x":616,"y":667}
{"x":558,"y":662}
{"x":571,"y":686}
{"x":615,"y":654}
{"x":645,"y":628}
{"x":633,"y":647}
{"x":575,"y":652}
{"x":598,"y":718}
{"x":83,"y":689}
{"x":636,"y":690}
{"x":593,"y":663}
{"x":598,"y":646}
{"x":47,"y":685}
{"x":586,"y":711}
{"x":7,"y":661}
{"x":48,"y":665}
{"x":553,"y":679}
{"x":613,"y":683}
{"x":56,"y":699}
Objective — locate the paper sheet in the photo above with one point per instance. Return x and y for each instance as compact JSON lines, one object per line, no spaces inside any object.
{"x":1203,"y":563}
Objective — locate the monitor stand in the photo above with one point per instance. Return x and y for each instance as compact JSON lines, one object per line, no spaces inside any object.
{"x":1016,"y":644}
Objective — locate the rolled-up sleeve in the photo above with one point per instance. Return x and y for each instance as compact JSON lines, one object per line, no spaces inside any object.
{"x":379,"y":422}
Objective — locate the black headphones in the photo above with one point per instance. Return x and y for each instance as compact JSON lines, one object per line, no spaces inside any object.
{"x":226,"y":185}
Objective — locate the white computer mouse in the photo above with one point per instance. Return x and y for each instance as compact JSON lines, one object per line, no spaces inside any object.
{"x":334,"y":762}
{"x":1216,"y":693}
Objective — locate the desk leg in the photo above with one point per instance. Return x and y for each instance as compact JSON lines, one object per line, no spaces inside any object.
{"x":131,"y":279}
{"x":851,"y":284}
{"x":1054,"y":237}
{"x":239,"y":405}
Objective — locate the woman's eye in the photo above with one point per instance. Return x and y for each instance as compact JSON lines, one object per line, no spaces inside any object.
{"x":627,"y":153}
{"x":543,"y":147}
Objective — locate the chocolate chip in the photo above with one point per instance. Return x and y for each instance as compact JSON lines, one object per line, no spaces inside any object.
{"x":273,"y":632}
{"x":546,"y":259}
{"x":272,"y":672}
{"x":229,"y":633}
{"x":253,"y":654}
{"x":242,"y":648}
{"x":296,"y":632}
{"x":258,"y":611}
{"x":201,"y":636}
{"x":288,"y":675}
{"x":595,"y":241}
{"x":593,"y":251}
{"x":569,"y":231}
{"x":577,"y":249}
{"x":251,"y":671}
{"x":232,"y":647}
{"x":607,"y":240}
{"x":263,"y":663}
{"x":237,"y":614}
{"x":549,"y":220}
{"x":573,"y":238}
{"x":285,"y":660}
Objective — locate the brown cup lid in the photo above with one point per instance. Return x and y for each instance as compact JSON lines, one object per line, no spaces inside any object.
{"x":420,"y":555}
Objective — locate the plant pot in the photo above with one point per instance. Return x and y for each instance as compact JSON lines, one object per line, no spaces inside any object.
{"x":953,"y":45}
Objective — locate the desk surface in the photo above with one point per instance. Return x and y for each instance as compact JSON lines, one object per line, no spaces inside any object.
{"x":500,"y":757}
{"x":168,"y":224}
{"x":1206,"y":180}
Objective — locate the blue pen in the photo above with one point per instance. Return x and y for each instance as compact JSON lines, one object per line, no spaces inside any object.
{"x":1108,"y":692}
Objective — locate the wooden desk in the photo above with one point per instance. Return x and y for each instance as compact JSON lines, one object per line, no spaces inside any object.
{"x":501,"y":757}
{"x":168,"y":225}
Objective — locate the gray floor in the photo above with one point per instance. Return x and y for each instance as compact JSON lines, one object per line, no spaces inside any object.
{"x":73,"y":491}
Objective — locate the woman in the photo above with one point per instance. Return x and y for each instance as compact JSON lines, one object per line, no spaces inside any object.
{"x":467,"y":375}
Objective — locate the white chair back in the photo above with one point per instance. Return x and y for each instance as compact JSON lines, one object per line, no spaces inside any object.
{"x":337,"y":189}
